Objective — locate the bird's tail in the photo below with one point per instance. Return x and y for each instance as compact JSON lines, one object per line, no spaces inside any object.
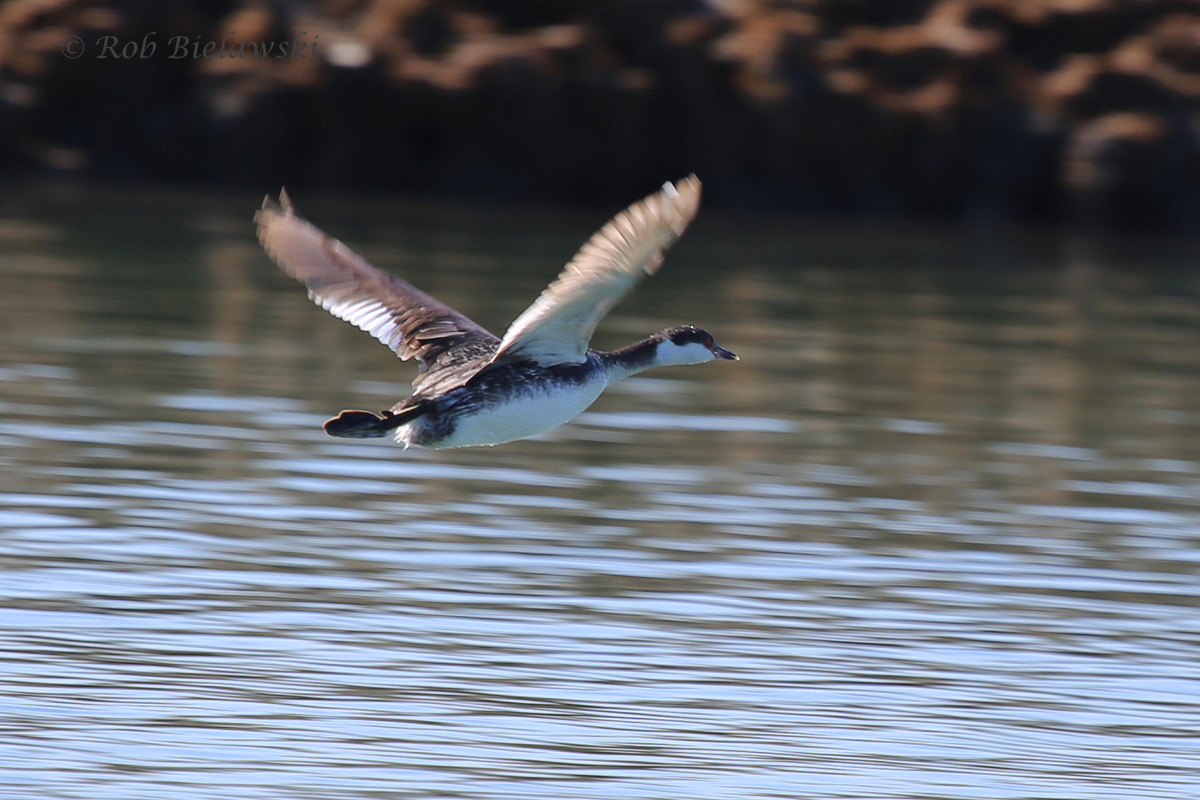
{"x":365,"y":425}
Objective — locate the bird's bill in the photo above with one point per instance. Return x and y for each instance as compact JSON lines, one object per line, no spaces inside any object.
{"x":721,"y":352}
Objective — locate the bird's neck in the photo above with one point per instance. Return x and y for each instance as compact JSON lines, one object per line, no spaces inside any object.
{"x":633,"y":359}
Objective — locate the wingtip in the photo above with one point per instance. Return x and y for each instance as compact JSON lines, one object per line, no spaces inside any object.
{"x":271,"y":208}
{"x":689,"y":185}
{"x":685,"y":197}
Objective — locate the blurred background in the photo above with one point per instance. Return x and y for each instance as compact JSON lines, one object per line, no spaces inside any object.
{"x":1046,"y":110}
{"x":934,"y":537}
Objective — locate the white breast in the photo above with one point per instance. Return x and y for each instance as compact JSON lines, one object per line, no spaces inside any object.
{"x":523,"y":415}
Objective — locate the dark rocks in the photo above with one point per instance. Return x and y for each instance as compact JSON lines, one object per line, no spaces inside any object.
{"x":1038,"y":110}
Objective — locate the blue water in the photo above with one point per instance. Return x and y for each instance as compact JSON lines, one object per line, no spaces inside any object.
{"x":934,"y":537}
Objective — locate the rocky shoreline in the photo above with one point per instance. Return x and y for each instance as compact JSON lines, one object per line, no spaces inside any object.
{"x":1044,"y":110}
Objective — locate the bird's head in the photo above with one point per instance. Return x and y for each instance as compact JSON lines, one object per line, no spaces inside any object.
{"x":687,"y":344}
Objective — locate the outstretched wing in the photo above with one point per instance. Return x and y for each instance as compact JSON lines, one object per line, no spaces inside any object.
{"x":411,"y":323}
{"x":556,"y":329}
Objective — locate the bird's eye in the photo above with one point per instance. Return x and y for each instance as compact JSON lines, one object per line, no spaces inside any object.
{"x":708,"y":342}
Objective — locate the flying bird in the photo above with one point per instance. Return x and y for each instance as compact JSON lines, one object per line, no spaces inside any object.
{"x":474,"y":388}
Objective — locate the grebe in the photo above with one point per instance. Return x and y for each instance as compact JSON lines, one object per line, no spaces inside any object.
{"x":474,"y":388}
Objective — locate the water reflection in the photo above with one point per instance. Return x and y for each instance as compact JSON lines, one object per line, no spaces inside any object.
{"x":936,"y":538}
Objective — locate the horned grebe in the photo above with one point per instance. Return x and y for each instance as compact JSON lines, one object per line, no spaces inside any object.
{"x":474,"y":388}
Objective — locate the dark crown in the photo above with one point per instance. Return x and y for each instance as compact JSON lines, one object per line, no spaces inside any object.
{"x":688,"y":334}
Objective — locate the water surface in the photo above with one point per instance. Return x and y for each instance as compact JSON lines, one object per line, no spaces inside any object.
{"x":935,"y":536}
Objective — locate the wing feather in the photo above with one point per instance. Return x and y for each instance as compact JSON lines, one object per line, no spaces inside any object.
{"x":410,"y":322}
{"x":556,"y":329}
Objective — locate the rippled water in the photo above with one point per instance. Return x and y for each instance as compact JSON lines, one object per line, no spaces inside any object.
{"x":934,"y":537}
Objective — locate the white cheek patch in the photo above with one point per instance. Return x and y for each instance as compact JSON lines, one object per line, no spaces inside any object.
{"x":690,"y":353}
